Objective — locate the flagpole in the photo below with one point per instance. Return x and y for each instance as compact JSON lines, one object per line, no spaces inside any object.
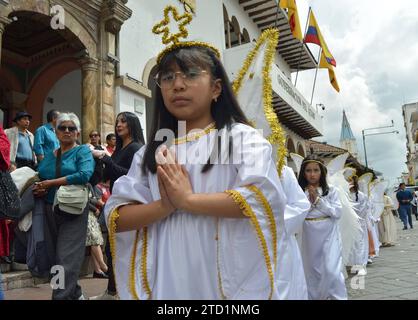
{"x":301,"y":47}
{"x":316,"y":73}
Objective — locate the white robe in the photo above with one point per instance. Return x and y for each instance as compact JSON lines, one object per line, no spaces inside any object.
{"x":292,"y":282}
{"x":387,"y":224}
{"x":189,"y":256}
{"x":321,"y":249}
{"x":360,"y":252}
{"x":373,"y":227}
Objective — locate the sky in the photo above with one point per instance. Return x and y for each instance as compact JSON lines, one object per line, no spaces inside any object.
{"x":375,"y":44}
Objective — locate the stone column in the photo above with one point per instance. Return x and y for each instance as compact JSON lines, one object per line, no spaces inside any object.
{"x":3,"y":23}
{"x":113,"y":15}
{"x":89,"y":109}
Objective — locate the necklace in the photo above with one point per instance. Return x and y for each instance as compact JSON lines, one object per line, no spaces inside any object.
{"x":195,"y":135}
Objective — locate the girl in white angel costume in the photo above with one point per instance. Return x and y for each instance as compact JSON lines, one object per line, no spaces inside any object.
{"x":202,"y":218}
{"x":360,"y":253}
{"x":321,"y":244}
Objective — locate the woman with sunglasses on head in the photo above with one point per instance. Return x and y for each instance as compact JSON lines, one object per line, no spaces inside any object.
{"x":321,"y":244}
{"x":129,"y":139}
{"x":68,"y":231}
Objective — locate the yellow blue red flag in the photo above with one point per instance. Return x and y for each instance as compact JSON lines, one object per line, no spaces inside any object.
{"x":314,"y":35}
{"x":324,"y":64}
{"x":293,"y":16}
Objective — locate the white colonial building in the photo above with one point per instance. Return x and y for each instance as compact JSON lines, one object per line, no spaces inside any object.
{"x":410,"y":116}
{"x":99,"y":58}
{"x":232,"y":26}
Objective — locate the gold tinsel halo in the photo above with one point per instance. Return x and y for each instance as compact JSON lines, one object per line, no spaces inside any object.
{"x":183,"y":20}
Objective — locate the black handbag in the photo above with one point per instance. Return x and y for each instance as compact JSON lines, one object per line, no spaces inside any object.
{"x":9,"y":197}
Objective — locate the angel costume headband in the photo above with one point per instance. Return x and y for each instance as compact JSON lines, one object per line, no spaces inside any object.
{"x":182,"y":20}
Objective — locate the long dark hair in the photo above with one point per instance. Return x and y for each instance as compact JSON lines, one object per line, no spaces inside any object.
{"x":303,"y":182}
{"x":134,"y":126}
{"x":354,"y":181}
{"x":225,"y":111}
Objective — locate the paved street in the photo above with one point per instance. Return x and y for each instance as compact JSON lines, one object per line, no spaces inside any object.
{"x":394,"y":275}
{"x":91,"y":287}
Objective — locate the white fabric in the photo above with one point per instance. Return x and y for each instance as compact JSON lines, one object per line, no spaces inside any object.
{"x":321,"y":250}
{"x":292,"y":282}
{"x":348,"y":224}
{"x":360,"y":251}
{"x":182,"y":259}
{"x":373,"y":227}
{"x":387,"y":224}
{"x":23,"y":177}
{"x":377,"y":191}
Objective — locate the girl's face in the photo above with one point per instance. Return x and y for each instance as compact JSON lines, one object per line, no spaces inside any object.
{"x":312,"y":173}
{"x":122,"y":129}
{"x":188,"y":95}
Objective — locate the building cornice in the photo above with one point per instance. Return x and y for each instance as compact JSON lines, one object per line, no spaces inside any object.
{"x":115,"y":13}
{"x":137,"y":87}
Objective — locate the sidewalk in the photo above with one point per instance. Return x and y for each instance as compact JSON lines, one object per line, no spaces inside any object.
{"x":91,"y":287}
{"x":394,"y":274}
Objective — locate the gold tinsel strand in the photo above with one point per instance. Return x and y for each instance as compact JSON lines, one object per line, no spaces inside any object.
{"x":114,"y":216}
{"x":247,"y":210}
{"x":132,"y":282}
{"x":269,"y":213}
{"x":145,"y":283}
{"x":220,"y":285}
{"x":162,"y":28}
{"x":277,"y":137}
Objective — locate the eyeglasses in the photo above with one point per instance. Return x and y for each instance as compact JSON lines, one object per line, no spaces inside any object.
{"x":166,"y":80}
{"x":64,"y":128}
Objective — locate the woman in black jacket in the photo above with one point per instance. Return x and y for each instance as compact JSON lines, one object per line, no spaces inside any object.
{"x":129,"y":139}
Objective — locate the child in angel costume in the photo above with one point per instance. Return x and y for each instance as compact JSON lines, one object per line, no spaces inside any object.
{"x":321,"y":239}
{"x":200,"y":215}
{"x":387,"y":224}
{"x":359,"y":254}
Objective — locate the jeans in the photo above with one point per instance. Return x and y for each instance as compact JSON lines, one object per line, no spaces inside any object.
{"x":68,"y":233}
{"x":1,"y":291}
{"x":405,"y":215}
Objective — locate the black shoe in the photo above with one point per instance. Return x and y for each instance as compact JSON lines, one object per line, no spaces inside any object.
{"x":6,"y":259}
{"x":405,"y":228}
{"x":412,"y":227}
{"x":100,"y":275}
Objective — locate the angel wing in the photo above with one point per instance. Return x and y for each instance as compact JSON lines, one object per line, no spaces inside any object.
{"x":348,"y":172}
{"x":254,"y":93}
{"x":377,"y":190}
{"x":297,"y":159}
{"x":363,"y":183}
{"x":337,"y":163}
{"x":349,"y":223}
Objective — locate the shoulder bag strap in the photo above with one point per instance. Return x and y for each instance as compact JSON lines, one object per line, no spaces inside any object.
{"x":58,"y":164}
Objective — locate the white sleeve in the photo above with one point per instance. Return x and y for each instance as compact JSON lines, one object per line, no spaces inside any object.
{"x":297,"y":205}
{"x":248,"y":270}
{"x":133,"y":187}
{"x":330,"y":205}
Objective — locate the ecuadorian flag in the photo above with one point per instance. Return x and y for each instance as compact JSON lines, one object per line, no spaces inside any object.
{"x":314,"y":35}
{"x":293,"y":16}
